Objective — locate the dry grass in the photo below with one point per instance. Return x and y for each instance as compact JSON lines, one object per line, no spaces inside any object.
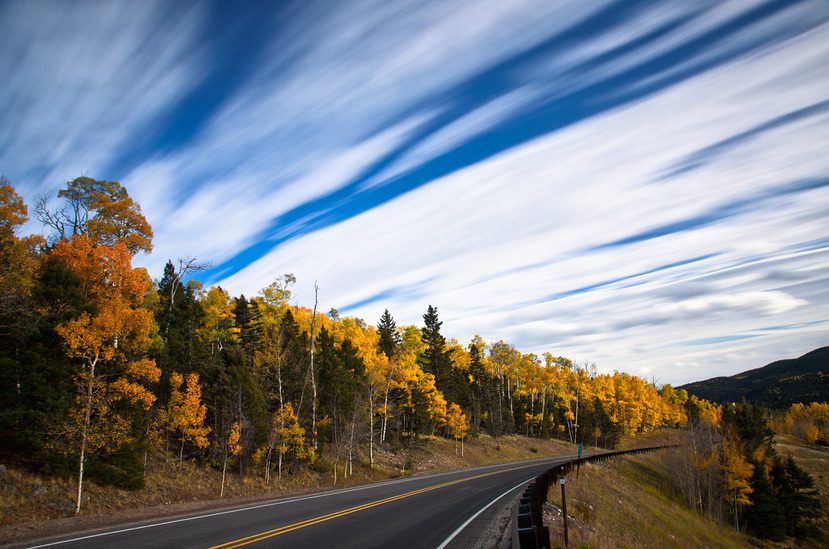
{"x":626,"y":503}
{"x":631,"y":503}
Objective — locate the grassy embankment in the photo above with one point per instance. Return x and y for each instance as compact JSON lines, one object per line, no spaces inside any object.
{"x":630,"y":503}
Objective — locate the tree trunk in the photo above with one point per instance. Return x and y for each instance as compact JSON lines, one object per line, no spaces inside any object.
{"x":85,"y":432}
{"x":543,"y":410}
{"x":350,"y":448}
{"x":313,"y":376}
{"x":80,"y":474}
{"x":386,"y":406}
{"x":371,"y":427}
{"x":279,"y":477}
{"x":509,"y":396}
{"x":224,"y":471}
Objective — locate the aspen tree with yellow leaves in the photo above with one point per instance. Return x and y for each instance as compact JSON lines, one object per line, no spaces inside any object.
{"x":457,"y":425}
{"x":185,"y":413}
{"x":289,"y":437}
{"x":107,"y":344}
{"x":738,"y":472}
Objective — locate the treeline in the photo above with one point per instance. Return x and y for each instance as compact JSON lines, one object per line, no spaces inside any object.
{"x":806,"y":422}
{"x":99,"y":362}
{"x":731,"y":473}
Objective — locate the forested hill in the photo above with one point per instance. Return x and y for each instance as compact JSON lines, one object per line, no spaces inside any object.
{"x":776,"y":385}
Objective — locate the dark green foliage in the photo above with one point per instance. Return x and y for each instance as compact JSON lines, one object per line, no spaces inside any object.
{"x":242,"y":398}
{"x":246,"y":314}
{"x":435,"y":358}
{"x":749,"y":423}
{"x":293,"y":349}
{"x":177,"y":314}
{"x":124,"y":467}
{"x":390,"y":339}
{"x":341,"y":379}
{"x":764,"y":517}
{"x":798,"y":498}
{"x":482,"y":393}
{"x":36,"y":386}
{"x":776,"y":385}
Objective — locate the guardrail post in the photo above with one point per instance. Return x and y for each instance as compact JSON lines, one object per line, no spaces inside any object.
{"x":564,"y":510}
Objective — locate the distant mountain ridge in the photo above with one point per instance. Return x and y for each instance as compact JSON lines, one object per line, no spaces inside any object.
{"x":776,"y":385}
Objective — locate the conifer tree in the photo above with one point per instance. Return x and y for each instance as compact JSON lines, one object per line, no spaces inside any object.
{"x":764,"y":517}
{"x":798,"y":498}
{"x":435,"y":358}
{"x":390,"y":339}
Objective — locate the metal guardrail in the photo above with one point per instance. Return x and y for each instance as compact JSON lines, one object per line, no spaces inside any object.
{"x":528,"y":530}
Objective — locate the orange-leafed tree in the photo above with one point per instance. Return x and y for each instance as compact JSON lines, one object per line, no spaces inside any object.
{"x":185,"y":412}
{"x":108,"y":343}
{"x":232,"y":448}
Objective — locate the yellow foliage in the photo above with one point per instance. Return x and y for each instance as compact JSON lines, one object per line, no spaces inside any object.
{"x":738,"y":472}
{"x":233,"y":438}
{"x":185,"y":413}
{"x":289,"y":435}
{"x":456,"y":422}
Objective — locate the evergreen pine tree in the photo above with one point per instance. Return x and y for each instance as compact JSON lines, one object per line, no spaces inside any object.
{"x":247,"y":317}
{"x":764,"y":517}
{"x":435,"y":358}
{"x":798,"y":497}
{"x":480,"y":385}
{"x":390,"y":340}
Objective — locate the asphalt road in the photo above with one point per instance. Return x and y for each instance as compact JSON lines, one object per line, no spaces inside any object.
{"x":440,"y":510}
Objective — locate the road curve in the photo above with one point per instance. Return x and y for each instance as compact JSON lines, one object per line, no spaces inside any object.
{"x":439,"y":510}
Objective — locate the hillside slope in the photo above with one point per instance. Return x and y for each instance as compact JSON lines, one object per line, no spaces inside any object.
{"x":627,"y":503}
{"x":776,"y":385}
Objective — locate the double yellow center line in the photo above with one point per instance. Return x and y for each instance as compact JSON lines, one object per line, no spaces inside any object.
{"x":330,"y":516}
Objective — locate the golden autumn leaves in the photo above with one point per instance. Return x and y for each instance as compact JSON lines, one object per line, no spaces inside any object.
{"x":115,"y":334}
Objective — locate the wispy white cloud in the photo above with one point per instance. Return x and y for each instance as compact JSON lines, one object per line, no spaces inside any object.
{"x":468,"y":242}
{"x":654,"y":210}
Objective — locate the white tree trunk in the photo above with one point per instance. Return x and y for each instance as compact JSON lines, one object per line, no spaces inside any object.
{"x":371,"y":426}
{"x":313,"y":375}
{"x":224,"y":472}
{"x":85,"y":432}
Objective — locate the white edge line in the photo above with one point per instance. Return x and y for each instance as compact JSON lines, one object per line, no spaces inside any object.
{"x":484,"y":508}
{"x":283,"y":502}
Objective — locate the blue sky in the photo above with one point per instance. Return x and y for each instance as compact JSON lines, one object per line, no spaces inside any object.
{"x":643,"y":185}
